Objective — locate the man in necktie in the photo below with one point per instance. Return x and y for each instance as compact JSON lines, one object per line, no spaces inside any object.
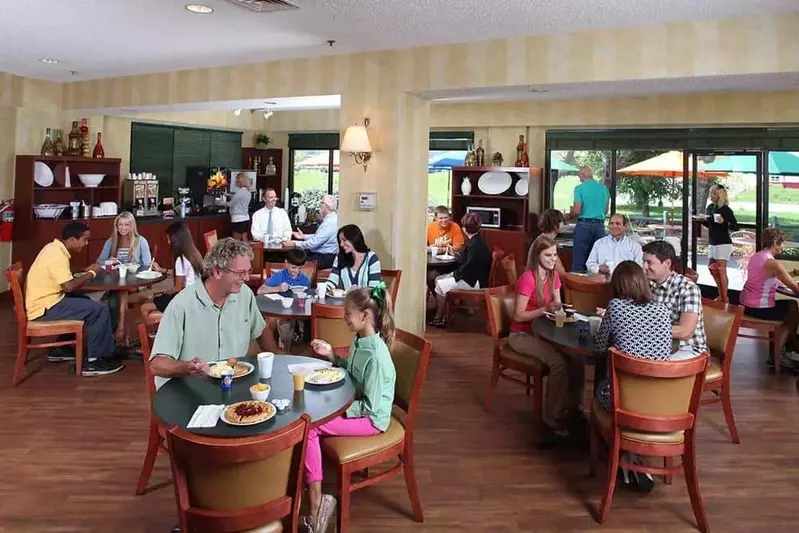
{"x":270,"y":225}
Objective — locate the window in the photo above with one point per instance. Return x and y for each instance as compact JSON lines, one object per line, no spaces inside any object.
{"x":314,"y":170}
{"x":447,"y":149}
{"x":783,"y":196}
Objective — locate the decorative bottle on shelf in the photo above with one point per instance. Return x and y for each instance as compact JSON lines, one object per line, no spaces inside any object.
{"x":73,"y":148}
{"x":98,"y":148}
{"x":480,"y":154}
{"x":85,"y":145}
{"x":466,"y":186}
{"x":470,"y":160}
{"x":521,"y":153}
{"x":58,"y":146}
{"x":47,"y":145}
{"x":271,"y":169}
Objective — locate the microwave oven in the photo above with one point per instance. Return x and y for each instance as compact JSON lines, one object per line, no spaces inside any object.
{"x":489,"y":215}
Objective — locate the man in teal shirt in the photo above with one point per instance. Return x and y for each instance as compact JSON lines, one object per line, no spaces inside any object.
{"x":591,"y":202}
{"x":213,"y":320}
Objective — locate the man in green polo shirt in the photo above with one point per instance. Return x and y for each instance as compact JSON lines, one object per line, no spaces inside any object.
{"x":591,"y":201}
{"x":213,"y":320}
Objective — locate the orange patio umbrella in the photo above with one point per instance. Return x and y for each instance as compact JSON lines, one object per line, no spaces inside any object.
{"x":668,"y":165}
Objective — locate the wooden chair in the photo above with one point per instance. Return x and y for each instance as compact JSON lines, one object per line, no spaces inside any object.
{"x":473,"y":298}
{"x":500,"y":302}
{"x":411,"y":355}
{"x":257,"y":276}
{"x":654,"y":407}
{"x":722,"y":322}
{"x":28,"y":330}
{"x":239,"y":484}
{"x":309,"y":269}
{"x":767,"y":330}
{"x":210,"y":240}
{"x":585,"y":295}
{"x":509,"y":266}
{"x":322,"y":275}
{"x":156,"y":441}
{"x":327,"y":324}
{"x":392,"y":280}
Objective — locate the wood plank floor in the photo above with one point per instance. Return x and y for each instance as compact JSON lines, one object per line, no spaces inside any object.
{"x":72,"y":449}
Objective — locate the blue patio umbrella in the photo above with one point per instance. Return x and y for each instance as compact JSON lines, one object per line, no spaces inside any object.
{"x":560,"y":165}
{"x":448,"y":159}
{"x":778,"y":163}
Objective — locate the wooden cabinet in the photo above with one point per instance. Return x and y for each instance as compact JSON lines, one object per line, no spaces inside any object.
{"x":274,"y":181}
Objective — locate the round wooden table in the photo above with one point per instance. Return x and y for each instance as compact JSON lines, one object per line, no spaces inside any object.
{"x":175,"y":402}
{"x":269,"y":307}
{"x":433,"y":262}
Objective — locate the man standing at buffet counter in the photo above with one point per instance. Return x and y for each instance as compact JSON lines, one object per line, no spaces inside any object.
{"x":591,"y":202}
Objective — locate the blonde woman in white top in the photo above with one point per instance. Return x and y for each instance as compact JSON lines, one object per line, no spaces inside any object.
{"x":239,"y":206}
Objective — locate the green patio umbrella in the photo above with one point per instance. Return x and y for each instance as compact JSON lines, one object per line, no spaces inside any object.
{"x":778,"y":163}
{"x":560,"y":165}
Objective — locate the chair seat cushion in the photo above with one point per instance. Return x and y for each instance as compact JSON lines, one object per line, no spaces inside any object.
{"x":44,"y":324}
{"x":508,"y":353}
{"x":346,"y":449}
{"x":605,"y":420}
{"x":274,"y":527}
{"x":714,"y":371}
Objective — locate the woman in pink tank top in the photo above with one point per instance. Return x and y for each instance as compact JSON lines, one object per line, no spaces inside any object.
{"x":763,"y":274}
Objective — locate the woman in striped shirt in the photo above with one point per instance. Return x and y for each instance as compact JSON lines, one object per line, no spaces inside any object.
{"x":355,"y":265}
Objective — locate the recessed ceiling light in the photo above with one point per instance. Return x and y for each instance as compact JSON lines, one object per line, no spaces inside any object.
{"x":48,"y":61}
{"x":237,"y":112}
{"x":199,"y":9}
{"x":268,"y":114}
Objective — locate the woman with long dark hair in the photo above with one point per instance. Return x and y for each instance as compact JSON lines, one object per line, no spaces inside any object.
{"x":355,"y":265}
{"x":188,"y":265}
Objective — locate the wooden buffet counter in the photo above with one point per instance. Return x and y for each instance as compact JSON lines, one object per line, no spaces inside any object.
{"x":39,"y":232}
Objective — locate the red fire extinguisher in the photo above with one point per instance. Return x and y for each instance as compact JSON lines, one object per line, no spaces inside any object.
{"x":7,"y":221}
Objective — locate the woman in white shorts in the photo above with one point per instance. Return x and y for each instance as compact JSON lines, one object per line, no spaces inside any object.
{"x":719,"y":221}
{"x":474,"y":265}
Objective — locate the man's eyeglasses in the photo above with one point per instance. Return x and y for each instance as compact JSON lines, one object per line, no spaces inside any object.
{"x":244,"y":274}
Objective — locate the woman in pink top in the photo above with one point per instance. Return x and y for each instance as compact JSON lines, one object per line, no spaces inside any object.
{"x":757,"y":297}
{"x":537,"y":291}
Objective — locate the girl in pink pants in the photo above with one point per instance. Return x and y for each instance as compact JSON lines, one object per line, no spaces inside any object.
{"x":368,"y":314}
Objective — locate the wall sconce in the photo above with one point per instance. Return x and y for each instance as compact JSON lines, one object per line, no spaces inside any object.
{"x":356,"y":143}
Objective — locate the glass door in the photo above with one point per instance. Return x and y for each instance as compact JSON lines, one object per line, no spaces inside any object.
{"x":710,"y":176}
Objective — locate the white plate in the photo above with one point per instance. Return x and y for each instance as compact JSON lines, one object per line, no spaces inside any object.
{"x":148,"y":274}
{"x":494,"y":182}
{"x":445,"y":257}
{"x":42,"y":174}
{"x":522,"y":186}
{"x":224,"y":419}
{"x":316,"y":375}
{"x":249,"y":366}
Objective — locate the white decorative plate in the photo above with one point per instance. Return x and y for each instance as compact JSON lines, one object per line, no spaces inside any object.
{"x":494,"y":182}
{"x":522,"y":186}
{"x":42,"y":174}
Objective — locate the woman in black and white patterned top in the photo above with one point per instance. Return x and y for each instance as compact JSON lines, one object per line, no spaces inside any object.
{"x":633,"y":323}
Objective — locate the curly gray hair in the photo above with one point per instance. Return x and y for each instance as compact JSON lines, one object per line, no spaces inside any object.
{"x":221,"y":254}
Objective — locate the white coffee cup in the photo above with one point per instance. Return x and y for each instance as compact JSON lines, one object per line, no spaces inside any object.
{"x":611,"y":265}
{"x":265,"y":362}
{"x":593,"y":324}
{"x":718,"y":219}
{"x":593,"y":269}
{"x":321,"y":290}
{"x":433,"y":250}
{"x":123,"y":271}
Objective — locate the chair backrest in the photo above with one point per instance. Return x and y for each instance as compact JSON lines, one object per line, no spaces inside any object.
{"x":688,"y":272}
{"x":509,"y":265}
{"x":500,"y":302}
{"x":656,"y":396}
{"x":224,"y":485}
{"x":210,"y":240}
{"x":257,"y":248}
{"x":496,"y":266}
{"x":411,"y":355}
{"x":327,"y":324}
{"x":722,"y":322}
{"x":392,"y":280}
{"x":585,"y":295}
{"x":145,"y":337}
{"x":322,"y":275}
{"x":15,"y":275}
{"x":309,"y":269}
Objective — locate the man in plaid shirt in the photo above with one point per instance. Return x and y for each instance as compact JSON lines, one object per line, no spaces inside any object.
{"x":680,"y":294}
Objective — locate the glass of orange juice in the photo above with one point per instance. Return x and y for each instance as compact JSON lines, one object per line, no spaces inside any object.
{"x":299,"y":381}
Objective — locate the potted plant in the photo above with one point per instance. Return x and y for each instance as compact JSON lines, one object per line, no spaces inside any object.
{"x":262,"y":140}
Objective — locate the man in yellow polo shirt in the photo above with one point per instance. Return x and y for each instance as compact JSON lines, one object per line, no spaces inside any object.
{"x":47,"y":297}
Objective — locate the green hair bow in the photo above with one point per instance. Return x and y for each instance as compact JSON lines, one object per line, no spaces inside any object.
{"x":379,"y":290}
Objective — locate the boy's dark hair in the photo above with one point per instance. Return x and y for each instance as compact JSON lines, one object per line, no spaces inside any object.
{"x":662,"y":250}
{"x":73,"y":230}
{"x":296,"y":257}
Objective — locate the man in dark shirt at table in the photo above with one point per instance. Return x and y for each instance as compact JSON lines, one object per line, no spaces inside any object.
{"x":47,"y":297}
